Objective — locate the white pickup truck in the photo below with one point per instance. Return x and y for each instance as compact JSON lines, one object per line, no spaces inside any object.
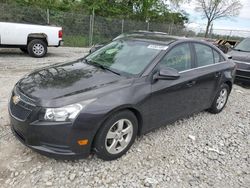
{"x":32,"y":39}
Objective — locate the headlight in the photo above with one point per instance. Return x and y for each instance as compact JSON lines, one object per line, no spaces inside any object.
{"x":66,"y":113}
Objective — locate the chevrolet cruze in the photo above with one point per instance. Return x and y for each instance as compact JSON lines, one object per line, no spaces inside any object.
{"x":100,"y":103}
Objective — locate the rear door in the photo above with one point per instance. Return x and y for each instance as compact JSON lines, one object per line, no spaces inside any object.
{"x":208,"y":74}
{"x":13,"y":34}
{"x":8,"y":33}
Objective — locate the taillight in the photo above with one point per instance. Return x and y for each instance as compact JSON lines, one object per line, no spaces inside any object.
{"x":60,"y":34}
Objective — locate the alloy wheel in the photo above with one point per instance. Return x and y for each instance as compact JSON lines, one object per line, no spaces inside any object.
{"x":222,"y":99}
{"x":119,"y":136}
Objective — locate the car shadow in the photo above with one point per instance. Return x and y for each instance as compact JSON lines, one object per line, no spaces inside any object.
{"x":19,"y":53}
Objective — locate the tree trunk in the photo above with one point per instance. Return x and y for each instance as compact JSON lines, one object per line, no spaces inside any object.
{"x":207,"y":28}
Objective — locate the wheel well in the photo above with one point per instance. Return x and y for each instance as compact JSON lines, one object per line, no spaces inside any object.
{"x":138,"y":117}
{"x":229,"y":84}
{"x":133,"y":110}
{"x":41,"y":36}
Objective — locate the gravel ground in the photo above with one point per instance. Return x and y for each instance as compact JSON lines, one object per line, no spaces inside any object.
{"x":204,"y":150}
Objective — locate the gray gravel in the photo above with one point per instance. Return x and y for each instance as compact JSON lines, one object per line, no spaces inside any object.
{"x":203,"y":150}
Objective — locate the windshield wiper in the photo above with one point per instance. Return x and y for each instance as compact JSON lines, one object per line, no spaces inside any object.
{"x":237,"y":49}
{"x":101,"y":66}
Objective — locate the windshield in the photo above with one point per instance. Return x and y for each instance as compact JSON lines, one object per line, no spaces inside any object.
{"x":243,"y":45}
{"x":125,"y":56}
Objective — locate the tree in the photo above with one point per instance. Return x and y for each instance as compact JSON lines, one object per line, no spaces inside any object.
{"x":217,"y":9}
{"x":141,"y":10}
{"x":158,"y":11}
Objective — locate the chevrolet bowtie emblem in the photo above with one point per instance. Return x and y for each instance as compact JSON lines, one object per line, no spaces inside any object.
{"x":16,"y":99}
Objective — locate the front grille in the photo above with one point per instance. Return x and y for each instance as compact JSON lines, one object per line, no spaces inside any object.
{"x":243,"y":73}
{"x":23,"y":109}
{"x":19,"y":111}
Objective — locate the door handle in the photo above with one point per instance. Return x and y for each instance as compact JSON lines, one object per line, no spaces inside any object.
{"x":217,"y":74}
{"x":191,"y":83}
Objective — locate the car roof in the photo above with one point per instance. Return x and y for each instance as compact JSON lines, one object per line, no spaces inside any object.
{"x":159,"y":37}
{"x":154,"y":36}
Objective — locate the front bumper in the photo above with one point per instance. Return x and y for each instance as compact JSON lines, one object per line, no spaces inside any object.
{"x":62,"y":140}
{"x":53,"y":139}
{"x":243,"y":72}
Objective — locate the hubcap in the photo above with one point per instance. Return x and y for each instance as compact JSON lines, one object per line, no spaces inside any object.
{"x":221,"y":101}
{"x":119,"y":136}
{"x":38,"y":49}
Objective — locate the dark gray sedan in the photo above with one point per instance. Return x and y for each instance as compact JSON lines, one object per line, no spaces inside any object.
{"x":100,"y":103}
{"x":241,"y":56}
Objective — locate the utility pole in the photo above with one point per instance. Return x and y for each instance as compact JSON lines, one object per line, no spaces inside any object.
{"x":122,"y":25}
{"x":48,"y":16}
{"x":147,"y":21}
{"x":91,"y":27}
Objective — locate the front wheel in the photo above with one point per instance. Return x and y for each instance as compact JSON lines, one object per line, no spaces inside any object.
{"x":37,"y":48}
{"x":220,"y":99}
{"x":116,"y":135}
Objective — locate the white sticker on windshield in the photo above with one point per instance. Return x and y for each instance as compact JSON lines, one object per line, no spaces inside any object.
{"x":157,"y":47}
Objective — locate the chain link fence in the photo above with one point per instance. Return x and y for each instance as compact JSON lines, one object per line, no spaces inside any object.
{"x":232,"y":34}
{"x":216,"y":33}
{"x":81,"y":29}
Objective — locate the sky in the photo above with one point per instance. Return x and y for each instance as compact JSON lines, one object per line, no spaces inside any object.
{"x":241,"y":22}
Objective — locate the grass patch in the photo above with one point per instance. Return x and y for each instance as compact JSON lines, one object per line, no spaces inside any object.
{"x":97,"y":39}
{"x":83,"y":41}
{"x":75,"y":41}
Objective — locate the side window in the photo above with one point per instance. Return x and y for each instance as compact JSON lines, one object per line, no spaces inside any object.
{"x":204,"y":55}
{"x":178,"y":58}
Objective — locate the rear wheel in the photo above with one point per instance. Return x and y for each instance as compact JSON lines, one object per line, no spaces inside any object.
{"x":220,"y":99}
{"x":37,"y":48}
{"x":116,"y":135}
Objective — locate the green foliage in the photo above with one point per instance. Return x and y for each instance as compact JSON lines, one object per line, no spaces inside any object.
{"x":146,"y":10}
{"x":112,"y":17}
{"x":141,"y":10}
{"x":75,"y":40}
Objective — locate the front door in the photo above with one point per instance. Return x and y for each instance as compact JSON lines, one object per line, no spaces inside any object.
{"x":172,"y":99}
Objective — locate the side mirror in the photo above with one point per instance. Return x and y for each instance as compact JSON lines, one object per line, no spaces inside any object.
{"x":95,"y":47}
{"x":167,"y":74}
{"x":229,"y":56}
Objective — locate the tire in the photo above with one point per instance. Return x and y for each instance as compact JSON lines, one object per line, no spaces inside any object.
{"x":37,"y":48}
{"x":220,"y":100}
{"x":120,"y":137}
{"x":24,"y":50}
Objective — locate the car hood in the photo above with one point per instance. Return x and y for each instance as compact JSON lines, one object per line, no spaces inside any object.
{"x":66,"y":83}
{"x":240,"y":56}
